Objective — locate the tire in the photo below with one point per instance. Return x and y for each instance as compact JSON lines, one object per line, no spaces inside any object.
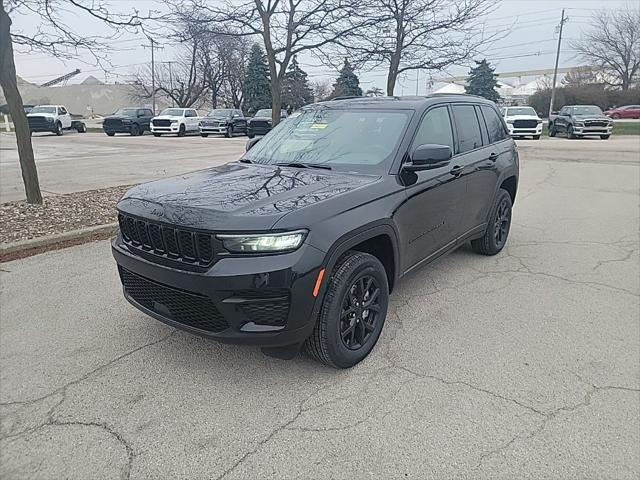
{"x":204,"y":135}
{"x":552,"y":130}
{"x":495,"y":237}
{"x":536,"y":137}
{"x":229,"y":132}
{"x":250,"y":135}
{"x":342,"y":339}
{"x":110,"y":134}
{"x":604,"y":137}
{"x":135,"y":130}
{"x":616,"y":116}
{"x":570,"y":134}
{"x":59,"y":131}
{"x":182,"y":131}
{"x":156,"y":134}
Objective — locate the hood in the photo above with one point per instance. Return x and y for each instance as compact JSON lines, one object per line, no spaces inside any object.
{"x":166,"y":117}
{"x":217,"y":119}
{"x":590,"y":117}
{"x":522,"y":117}
{"x":52,"y":115}
{"x":118,"y":117}
{"x":238,"y":196}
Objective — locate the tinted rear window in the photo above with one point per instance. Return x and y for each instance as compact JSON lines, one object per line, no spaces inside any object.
{"x":468,"y":128}
{"x":494,"y":124}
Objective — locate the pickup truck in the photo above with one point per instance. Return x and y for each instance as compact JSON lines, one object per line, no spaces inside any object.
{"x":53,"y":118}
{"x":175,"y":120}
{"x":577,"y":121}
{"x":132,"y":120}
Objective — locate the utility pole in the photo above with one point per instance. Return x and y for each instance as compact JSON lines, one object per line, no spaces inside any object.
{"x":153,"y":72}
{"x":417,"y":80}
{"x":555,"y":70}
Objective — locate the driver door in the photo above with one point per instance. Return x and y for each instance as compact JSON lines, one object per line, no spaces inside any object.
{"x":429,"y":220}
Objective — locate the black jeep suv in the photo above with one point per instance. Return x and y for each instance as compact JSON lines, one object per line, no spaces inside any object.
{"x":300,"y":241}
{"x":132,"y":120}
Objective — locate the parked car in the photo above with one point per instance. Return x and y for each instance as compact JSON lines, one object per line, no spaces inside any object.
{"x":301,"y":241}
{"x":175,"y":120}
{"x":131,"y":120}
{"x":261,"y":122}
{"x":580,"y":121}
{"x":53,"y":118}
{"x":628,"y":111}
{"x":523,"y":122}
{"x":227,"y":121}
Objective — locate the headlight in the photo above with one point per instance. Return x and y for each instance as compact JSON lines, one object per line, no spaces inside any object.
{"x":126,"y":120}
{"x":174,"y":121}
{"x":511,"y":121}
{"x":263,"y":242}
{"x":49,"y":119}
{"x":539,"y":121}
{"x":579,"y":124}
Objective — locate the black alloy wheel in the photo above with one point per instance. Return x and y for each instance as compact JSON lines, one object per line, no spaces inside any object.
{"x":360,"y":312}
{"x":499,"y":224}
{"x":135,"y":130}
{"x":502,"y":223}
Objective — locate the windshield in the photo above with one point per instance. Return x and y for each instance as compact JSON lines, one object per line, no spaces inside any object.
{"x":265,"y":112}
{"x":521,"y":111}
{"x":173,"y":112}
{"x":345,"y":139}
{"x":127,"y":112}
{"x":219,"y":113}
{"x":43,"y":110}
{"x":586,"y":110}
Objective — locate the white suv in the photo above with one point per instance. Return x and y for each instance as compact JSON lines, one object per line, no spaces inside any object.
{"x":175,"y":120}
{"x":523,"y":122}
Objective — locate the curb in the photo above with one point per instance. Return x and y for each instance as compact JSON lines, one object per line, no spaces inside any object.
{"x":34,"y":246}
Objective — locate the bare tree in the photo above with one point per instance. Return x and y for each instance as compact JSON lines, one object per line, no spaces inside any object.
{"x":405,"y":35}
{"x":613,"y":44}
{"x":374,"y":92}
{"x":581,"y":76}
{"x":321,"y":90}
{"x":56,"y":38}
{"x":287,"y":28}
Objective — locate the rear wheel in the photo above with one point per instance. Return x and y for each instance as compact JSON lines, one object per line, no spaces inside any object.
{"x":605,"y":137}
{"x":135,"y":130}
{"x":497,"y":232}
{"x":250,"y":135}
{"x":182,"y":130}
{"x":353,"y":312}
{"x":110,"y":134}
{"x":204,"y":135}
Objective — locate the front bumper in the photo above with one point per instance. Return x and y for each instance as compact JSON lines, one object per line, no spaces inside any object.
{"x":255,"y":131}
{"x":593,"y":130}
{"x":515,"y":132}
{"x":265,"y":300}
{"x":118,"y":129}
{"x":173,"y":128}
{"x":213,"y":130}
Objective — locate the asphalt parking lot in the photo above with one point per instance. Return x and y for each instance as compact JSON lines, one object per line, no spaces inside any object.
{"x":77,"y":162}
{"x":523,"y":365}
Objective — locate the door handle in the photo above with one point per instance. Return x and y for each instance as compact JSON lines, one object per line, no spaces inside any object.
{"x":493,"y":157}
{"x":456,"y":170}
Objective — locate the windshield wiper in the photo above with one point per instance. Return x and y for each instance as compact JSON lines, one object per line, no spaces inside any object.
{"x":245,"y":160}
{"x":303,"y":165}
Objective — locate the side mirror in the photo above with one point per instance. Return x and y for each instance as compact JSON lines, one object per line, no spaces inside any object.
{"x":429,"y":156}
{"x":251,"y":143}
{"x":555,"y":112}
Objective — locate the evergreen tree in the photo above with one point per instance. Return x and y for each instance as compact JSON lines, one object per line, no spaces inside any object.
{"x":257,"y":88}
{"x":347,"y":83}
{"x":296,"y":91}
{"x":482,"y":81}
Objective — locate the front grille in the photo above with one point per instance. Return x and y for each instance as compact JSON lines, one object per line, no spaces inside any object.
{"x":209,"y":123}
{"x":596,"y":123}
{"x":265,"y":307}
{"x":184,"y":307}
{"x":112,"y":123}
{"x":39,"y":122}
{"x":161,"y":122}
{"x":195,"y":248}
{"x":525,"y":123}
{"x":259,"y":124}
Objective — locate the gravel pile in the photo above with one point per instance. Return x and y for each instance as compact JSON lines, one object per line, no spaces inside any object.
{"x":59,"y":214}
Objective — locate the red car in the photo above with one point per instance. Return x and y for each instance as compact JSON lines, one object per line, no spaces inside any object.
{"x":628,"y":111}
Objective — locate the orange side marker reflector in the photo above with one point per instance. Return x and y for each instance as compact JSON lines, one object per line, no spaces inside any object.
{"x":316,"y":289}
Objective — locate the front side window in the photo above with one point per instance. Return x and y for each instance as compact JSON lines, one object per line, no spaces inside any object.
{"x":435,"y":129}
{"x":354,"y":140}
{"x":494,"y":124}
{"x":468,"y":127}
{"x":62,"y":111}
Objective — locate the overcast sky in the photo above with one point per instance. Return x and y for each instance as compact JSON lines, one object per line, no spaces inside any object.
{"x":530,"y":44}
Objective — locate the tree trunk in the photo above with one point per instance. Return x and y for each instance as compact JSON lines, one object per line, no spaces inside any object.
{"x":16,"y":108}
{"x":276,"y":101}
{"x":391,"y":83}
